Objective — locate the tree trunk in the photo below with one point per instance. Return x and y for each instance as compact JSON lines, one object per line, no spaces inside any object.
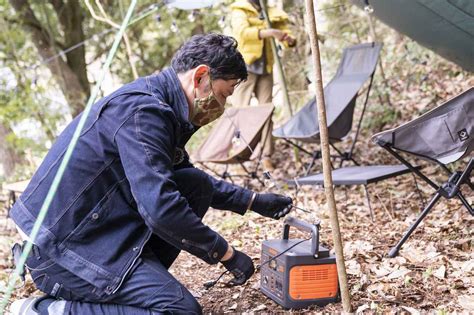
{"x":71,"y":75}
{"x":71,"y":17}
{"x":8,"y":157}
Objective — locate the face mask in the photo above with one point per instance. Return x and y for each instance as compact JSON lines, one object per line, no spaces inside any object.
{"x":206,"y":109}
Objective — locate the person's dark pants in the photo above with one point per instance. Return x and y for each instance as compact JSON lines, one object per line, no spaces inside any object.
{"x":149,"y":288}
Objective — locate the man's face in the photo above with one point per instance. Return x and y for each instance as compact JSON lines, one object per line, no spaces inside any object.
{"x":209,"y":96}
{"x":222,"y":89}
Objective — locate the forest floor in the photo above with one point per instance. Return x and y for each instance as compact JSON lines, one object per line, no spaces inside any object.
{"x":434,"y":271}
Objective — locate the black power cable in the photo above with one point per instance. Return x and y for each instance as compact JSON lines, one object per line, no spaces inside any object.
{"x":275,"y":257}
{"x":209,"y":284}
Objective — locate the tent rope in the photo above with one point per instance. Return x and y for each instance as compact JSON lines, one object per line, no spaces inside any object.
{"x":143,"y":14}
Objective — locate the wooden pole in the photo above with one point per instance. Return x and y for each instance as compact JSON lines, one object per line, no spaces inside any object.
{"x":324,"y":136}
{"x":281,"y":73}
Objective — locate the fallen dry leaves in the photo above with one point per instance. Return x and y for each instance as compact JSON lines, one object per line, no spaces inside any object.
{"x":435,"y":268}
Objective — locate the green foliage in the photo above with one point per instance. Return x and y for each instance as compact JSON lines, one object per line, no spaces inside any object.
{"x":155,"y":39}
{"x":27,"y":86}
{"x":23,"y":93}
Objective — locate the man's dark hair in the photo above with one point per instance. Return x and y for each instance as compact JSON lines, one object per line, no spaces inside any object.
{"x":217,"y":51}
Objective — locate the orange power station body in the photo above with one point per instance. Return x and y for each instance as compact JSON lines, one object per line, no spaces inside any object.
{"x":298,"y":273}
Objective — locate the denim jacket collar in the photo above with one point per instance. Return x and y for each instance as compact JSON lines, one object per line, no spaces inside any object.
{"x":167,"y":86}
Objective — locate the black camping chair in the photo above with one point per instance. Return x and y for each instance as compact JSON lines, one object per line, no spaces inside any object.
{"x":356,"y":175}
{"x":443,"y":135}
{"x":357,"y":65}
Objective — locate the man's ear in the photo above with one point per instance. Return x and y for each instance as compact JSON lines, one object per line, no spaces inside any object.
{"x":199,"y":73}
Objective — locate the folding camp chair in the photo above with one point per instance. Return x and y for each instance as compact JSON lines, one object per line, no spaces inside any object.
{"x":235,"y":139}
{"x":356,"y":175}
{"x":443,"y":135}
{"x":357,"y":65}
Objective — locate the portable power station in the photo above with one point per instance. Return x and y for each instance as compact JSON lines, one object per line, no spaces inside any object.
{"x":297,"y":273}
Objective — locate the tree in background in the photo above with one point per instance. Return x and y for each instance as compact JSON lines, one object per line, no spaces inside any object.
{"x":52,"y":26}
{"x":34,"y":34}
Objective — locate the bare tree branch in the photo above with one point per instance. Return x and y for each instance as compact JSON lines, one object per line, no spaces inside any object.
{"x":105,"y":18}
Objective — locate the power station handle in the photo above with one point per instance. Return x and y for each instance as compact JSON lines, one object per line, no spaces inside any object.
{"x":304,"y":226}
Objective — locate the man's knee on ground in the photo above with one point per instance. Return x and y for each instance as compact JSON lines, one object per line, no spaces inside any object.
{"x":187,"y":304}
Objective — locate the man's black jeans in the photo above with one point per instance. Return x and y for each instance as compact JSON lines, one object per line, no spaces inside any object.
{"x":149,"y":288}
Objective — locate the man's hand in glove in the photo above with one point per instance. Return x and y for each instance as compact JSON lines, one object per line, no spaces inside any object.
{"x":241,"y":266}
{"x":271,"y":205}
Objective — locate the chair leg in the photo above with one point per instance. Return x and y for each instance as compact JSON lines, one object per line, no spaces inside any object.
{"x":394,"y":251}
{"x":465,"y":203}
{"x":422,"y":199}
{"x":315,"y":156}
{"x":369,"y":204}
{"x":227,"y":175}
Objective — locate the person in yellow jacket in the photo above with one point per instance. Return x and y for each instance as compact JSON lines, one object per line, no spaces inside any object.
{"x":253,"y":36}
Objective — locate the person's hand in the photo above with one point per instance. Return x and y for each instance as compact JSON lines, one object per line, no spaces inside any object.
{"x":241,"y":266}
{"x":272,"y":32}
{"x":290,"y":40}
{"x":277,"y":34}
{"x":272,"y":205}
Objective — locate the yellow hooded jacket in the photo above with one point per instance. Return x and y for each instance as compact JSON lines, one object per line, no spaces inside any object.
{"x":246,"y":24}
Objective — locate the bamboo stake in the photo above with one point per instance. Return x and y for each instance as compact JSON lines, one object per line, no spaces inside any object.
{"x":324,"y":136}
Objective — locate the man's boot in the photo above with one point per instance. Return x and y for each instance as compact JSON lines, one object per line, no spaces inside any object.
{"x":44,"y":305}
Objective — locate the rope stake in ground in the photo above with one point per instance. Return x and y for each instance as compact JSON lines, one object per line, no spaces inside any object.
{"x":62,"y":167}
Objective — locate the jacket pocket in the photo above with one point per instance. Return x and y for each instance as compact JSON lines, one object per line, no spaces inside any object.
{"x":92,"y":220}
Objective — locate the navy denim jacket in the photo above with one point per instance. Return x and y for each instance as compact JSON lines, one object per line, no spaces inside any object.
{"x":117,"y":188}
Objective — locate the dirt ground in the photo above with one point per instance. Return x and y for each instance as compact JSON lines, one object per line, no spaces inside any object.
{"x":433,"y":273}
{"x":434,"y":270}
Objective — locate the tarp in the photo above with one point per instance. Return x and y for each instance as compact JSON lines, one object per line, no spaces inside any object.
{"x":446,"y":133}
{"x":444,"y":26}
{"x":357,"y":65}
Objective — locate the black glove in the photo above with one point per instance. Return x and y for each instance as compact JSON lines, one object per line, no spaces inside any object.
{"x":241,"y":266}
{"x":272,"y":205}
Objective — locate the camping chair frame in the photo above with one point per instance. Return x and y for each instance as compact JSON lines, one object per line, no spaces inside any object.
{"x":250,"y":174}
{"x":450,"y":189}
{"x":363,"y":179}
{"x":441,"y":136}
{"x":341,"y":156}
